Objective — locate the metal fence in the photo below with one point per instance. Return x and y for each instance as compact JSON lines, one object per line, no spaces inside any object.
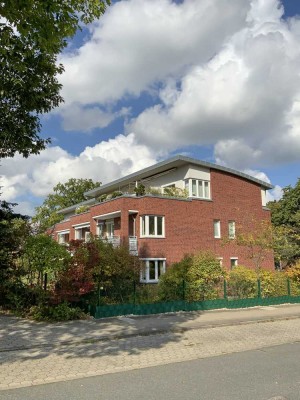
{"x":148,"y":299}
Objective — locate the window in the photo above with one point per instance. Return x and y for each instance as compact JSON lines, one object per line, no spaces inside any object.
{"x":198,"y":188}
{"x":82,"y":233}
{"x":233,"y":262}
{"x":152,"y":269}
{"x":231,"y":229}
{"x":152,"y":226}
{"x":220,"y":259}
{"x":217,"y":229}
{"x":100,"y":229}
{"x":63,"y":238}
{"x":110,"y":228}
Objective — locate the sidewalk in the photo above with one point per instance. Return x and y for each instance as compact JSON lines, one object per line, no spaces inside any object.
{"x":17,"y":333}
{"x":37,"y":353}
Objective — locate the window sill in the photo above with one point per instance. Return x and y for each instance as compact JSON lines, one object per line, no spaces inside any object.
{"x":152,"y":237}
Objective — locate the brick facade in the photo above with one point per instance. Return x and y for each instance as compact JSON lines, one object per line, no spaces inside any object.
{"x":188,"y":222}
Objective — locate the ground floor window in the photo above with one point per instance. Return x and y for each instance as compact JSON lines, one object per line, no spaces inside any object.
{"x":233,"y":262}
{"x":152,"y":269}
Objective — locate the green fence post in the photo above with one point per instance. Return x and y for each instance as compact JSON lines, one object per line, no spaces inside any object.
{"x":258,"y":289}
{"x":99,"y":294}
{"x":134,"y":293}
{"x":183,"y":290}
{"x":288,"y":286}
{"x":225,"y":289}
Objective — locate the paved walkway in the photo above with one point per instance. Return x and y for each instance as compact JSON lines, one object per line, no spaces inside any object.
{"x":34,"y":353}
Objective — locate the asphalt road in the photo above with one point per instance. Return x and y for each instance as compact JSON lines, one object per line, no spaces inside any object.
{"x":269,"y":373}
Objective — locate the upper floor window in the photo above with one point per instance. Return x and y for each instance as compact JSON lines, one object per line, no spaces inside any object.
{"x":63,"y":237}
{"x":82,"y":233}
{"x":231,"y":229}
{"x":198,"y":188}
{"x":153,"y":226}
{"x":217,"y":229}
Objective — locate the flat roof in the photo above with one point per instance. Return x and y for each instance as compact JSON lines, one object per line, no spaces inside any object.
{"x":163,"y":166}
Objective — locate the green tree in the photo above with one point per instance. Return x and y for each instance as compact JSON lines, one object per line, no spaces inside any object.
{"x":43,"y":258}
{"x":258,"y":241}
{"x":32,"y":34}
{"x":286,"y":218}
{"x":64,"y":195}
{"x":14,"y":228}
{"x":97,"y":264}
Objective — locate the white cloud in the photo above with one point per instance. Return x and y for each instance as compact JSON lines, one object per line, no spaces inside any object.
{"x":243,"y":100}
{"x":257,"y":174}
{"x":139,"y":42}
{"x":275,"y":194}
{"x":86,"y":119}
{"x":104,"y":162}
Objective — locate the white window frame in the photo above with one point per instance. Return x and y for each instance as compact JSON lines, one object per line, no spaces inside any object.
{"x":110,"y":228}
{"x":144,"y":226}
{"x":234,"y":262}
{"x":78,"y":232}
{"x":61,"y":237}
{"x":145,"y":270}
{"x":189,"y":187}
{"x":100,"y":229}
{"x":231,"y":229}
{"x":217,"y":229}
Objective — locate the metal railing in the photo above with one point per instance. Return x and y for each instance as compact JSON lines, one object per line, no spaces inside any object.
{"x":133,"y":245}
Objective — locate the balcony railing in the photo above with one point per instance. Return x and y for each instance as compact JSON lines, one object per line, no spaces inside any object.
{"x":133,"y":245}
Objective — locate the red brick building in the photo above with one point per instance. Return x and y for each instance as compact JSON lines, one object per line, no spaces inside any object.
{"x":184,"y":205}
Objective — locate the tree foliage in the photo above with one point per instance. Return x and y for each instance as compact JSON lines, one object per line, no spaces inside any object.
{"x":32,"y":34}
{"x":14,"y":228}
{"x":97,"y":264}
{"x":64,"y":195}
{"x":43,"y":255}
{"x":258,"y":241}
{"x":286,"y":219}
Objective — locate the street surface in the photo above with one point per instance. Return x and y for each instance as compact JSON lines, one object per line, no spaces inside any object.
{"x":268,"y":374}
{"x":35,"y":353}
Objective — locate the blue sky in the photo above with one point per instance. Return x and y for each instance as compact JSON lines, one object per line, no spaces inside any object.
{"x":214,"y":79}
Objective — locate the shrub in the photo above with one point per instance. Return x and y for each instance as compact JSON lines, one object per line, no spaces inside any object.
{"x":171,"y":283}
{"x":242,"y":282}
{"x":204,"y":277}
{"x":115,"y":194}
{"x":61,"y":312}
{"x":273,"y":283}
{"x":294,"y":274}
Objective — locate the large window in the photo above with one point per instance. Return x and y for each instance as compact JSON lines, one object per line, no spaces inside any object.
{"x":152,"y":226}
{"x":198,"y":188}
{"x":152,"y":269}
